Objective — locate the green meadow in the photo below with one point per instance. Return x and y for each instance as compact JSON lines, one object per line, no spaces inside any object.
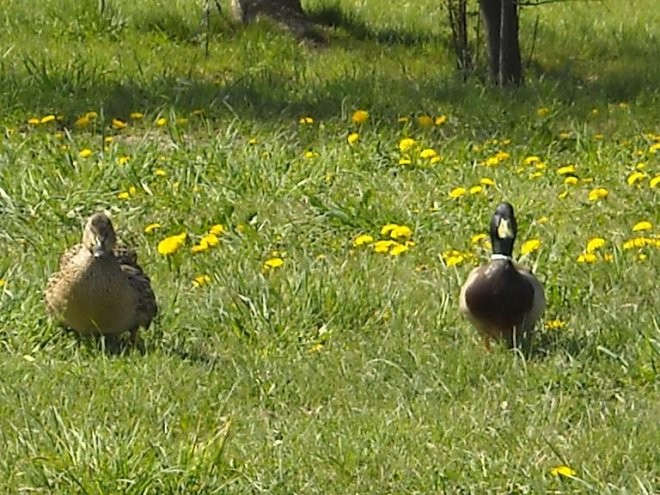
{"x":333,"y":200}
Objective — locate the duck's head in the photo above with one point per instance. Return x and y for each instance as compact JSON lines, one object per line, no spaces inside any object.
{"x":503,"y":230}
{"x":99,"y":235}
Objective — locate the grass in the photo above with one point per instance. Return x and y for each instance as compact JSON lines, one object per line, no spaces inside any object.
{"x":343,"y":370}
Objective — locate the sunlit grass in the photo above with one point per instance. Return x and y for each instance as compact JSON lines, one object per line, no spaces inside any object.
{"x":307,"y":216}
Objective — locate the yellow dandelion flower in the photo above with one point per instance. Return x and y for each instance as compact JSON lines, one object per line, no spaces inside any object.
{"x":85,"y":153}
{"x":640,"y":242}
{"x":91,"y":115}
{"x":478,"y":238}
{"x":492,"y":161}
{"x":594,"y":244}
{"x":151,"y":227}
{"x":452,"y":257}
{"x":353,"y":138}
{"x":119,"y":124}
{"x":384,"y":246}
{"x":161,"y":122}
{"x":46,"y":119}
{"x":360,"y":116}
{"x":654,"y":182}
{"x":598,"y":194}
{"x":457,"y":192}
{"x":81,"y":122}
{"x":217,"y":229}
{"x":599,"y":137}
{"x":428,"y":153}
{"x":2,"y":282}
{"x":587,"y":258}
{"x":636,"y":177}
{"x":315,"y":348}
{"x":400,"y":231}
{"x":362,"y":239}
{"x":425,"y":121}
{"x":200,"y":280}
{"x":311,"y":154}
{"x":199,"y":248}
{"x":530,"y":246}
{"x":123,"y":160}
{"x":403,"y":120}
{"x":406,"y":144}
{"x":502,"y":155}
{"x":181,"y":121}
{"x":571,"y":180}
{"x":644,"y":225}
{"x":405,"y":161}
{"x":485,"y":181}
{"x":555,"y":324}
{"x":172,"y":244}
{"x":398,"y":249}
{"x":435,"y":159}
{"x":108,"y":139}
{"x":608,"y":257}
{"x":543,"y":112}
{"x":640,"y":166}
{"x":476,"y":189}
{"x":273,"y":263}
{"x":306,"y":120}
{"x":210,"y":240}
{"x":654,"y":148}
{"x":440,"y":120}
{"x":531,"y":160}
{"x":563,"y":471}
{"x":123,"y":195}
{"x":566,"y":169}
{"x":387,"y":228}
{"x":136,"y":115}
{"x":159,"y":172}
{"x":132,"y":190}
{"x":535,"y":175}
{"x":33,"y":121}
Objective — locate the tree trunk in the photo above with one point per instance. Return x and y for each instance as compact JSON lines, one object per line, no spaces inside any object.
{"x":286,"y":12}
{"x":504,"y":60}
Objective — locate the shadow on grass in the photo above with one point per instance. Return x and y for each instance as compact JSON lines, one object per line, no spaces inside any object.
{"x":548,"y":344}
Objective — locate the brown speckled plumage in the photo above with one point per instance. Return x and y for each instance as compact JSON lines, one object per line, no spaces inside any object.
{"x":100,"y":289}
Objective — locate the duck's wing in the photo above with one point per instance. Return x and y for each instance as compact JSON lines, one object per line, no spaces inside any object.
{"x":539,"y":301}
{"x":146,"y":306}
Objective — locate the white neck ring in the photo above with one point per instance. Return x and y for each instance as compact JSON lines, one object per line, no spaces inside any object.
{"x":496,"y":256}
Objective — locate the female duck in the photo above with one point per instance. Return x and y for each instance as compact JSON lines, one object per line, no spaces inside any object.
{"x":502,"y":299}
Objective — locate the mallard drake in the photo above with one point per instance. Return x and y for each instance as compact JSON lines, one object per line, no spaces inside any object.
{"x":100,"y":289}
{"x":502,"y":299}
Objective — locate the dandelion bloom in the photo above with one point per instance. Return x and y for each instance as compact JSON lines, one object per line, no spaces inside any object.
{"x":566,"y":169}
{"x":272,"y":263}
{"x":654,"y":182}
{"x":81,"y":122}
{"x":311,"y":154}
{"x":362,"y":239}
{"x":406,"y":144}
{"x":486,"y":181}
{"x":428,"y":153}
{"x":405,"y":161}
{"x":531,"y":160}
{"x":151,"y":227}
{"x":360,"y":116}
{"x":217,"y":229}
{"x":398,"y":249}
{"x":440,"y":120}
{"x":642,"y":226}
{"x":478,"y":238}
{"x":353,"y":138}
{"x":530,"y":246}
{"x":594,"y":244}
{"x":571,"y":180}
{"x":136,"y":115}
{"x":108,"y":139}
{"x":123,"y":160}
{"x":47,"y":119}
{"x":543,"y":111}
{"x":306,"y":120}
{"x":425,"y":120}
{"x":123,"y":195}
{"x":384,"y":246}
{"x":119,"y":124}
{"x":200,"y":280}
{"x":554,"y":324}
{"x":159,"y":172}
{"x":598,"y":194}
{"x":199,"y":248}
{"x":457,"y":192}
{"x":172,"y":244}
{"x":636,"y":177}
{"x":452,"y":257}
{"x":587,"y":258}
{"x":33,"y":121}
{"x":2,"y":282}
{"x":641,"y":242}
{"x":476,"y":189}
{"x":161,"y":122}
{"x":85,"y":153}
{"x":563,"y":471}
